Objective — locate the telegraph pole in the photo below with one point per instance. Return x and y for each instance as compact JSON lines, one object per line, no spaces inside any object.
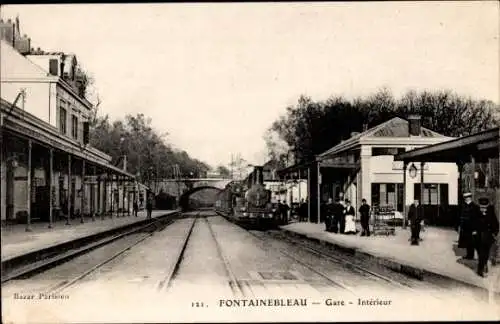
{"x":232,"y":166}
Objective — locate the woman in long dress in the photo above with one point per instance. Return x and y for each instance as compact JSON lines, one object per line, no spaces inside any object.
{"x":350,"y":225}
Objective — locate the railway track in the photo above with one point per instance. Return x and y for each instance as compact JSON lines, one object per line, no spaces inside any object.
{"x":233,"y":282}
{"x":49,"y":263}
{"x":338,"y":259}
{"x":403,"y":284}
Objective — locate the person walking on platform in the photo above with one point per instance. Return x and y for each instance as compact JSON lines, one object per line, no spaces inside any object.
{"x":364,"y":212}
{"x":415,"y":217}
{"x":469,"y":212}
{"x":484,"y":232}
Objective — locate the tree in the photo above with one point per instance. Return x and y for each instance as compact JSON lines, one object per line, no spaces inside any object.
{"x":238,"y":166}
{"x":311,"y":127}
{"x":149,"y":156}
{"x":223,"y":171}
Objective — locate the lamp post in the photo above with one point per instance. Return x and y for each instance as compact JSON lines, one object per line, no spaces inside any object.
{"x":412,"y":171}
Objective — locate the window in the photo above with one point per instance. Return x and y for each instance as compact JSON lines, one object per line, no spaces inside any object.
{"x":62,"y":120}
{"x":434,"y":194}
{"x":388,"y":194}
{"x":74,"y":126}
{"x":376,"y":151}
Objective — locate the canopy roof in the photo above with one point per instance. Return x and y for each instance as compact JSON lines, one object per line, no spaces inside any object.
{"x":481,"y":145}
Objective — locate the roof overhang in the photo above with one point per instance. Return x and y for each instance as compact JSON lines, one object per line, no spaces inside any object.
{"x":480,"y":145}
{"x":28,"y":126}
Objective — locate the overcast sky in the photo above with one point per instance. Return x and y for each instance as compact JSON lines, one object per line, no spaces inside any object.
{"x":215,"y":76}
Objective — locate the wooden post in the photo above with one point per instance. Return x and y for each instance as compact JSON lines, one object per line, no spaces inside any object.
{"x":82,"y":192}
{"x":51,"y":184}
{"x":460,"y":165}
{"x":473,"y":177}
{"x":300,"y":185}
{"x":69,"y":191}
{"x":112,"y":194}
{"x":123,"y":195}
{"x":422,"y":188}
{"x":309,"y":194}
{"x":128,"y":197}
{"x":318,"y":193}
{"x":405,"y":215}
{"x":135,"y":194}
{"x":28,"y":219}
{"x":99,"y":196}
{"x":104,"y":196}
{"x":93,"y":193}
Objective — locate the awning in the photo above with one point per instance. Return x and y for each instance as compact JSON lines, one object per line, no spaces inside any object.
{"x":480,"y":145}
{"x":297,"y":168}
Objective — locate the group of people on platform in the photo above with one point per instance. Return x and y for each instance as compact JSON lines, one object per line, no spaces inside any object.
{"x":281,"y":212}
{"x":478,"y":225}
{"x":340,"y":216}
{"x":149,"y":206}
{"x":478,"y":229}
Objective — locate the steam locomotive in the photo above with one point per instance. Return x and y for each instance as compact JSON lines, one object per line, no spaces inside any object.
{"x":248,"y":204}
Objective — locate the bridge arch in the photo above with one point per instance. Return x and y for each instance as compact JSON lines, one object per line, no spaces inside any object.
{"x":184,"y":198}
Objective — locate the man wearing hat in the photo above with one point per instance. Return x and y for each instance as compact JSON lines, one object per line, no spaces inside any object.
{"x":484,"y":232}
{"x":469,"y":212}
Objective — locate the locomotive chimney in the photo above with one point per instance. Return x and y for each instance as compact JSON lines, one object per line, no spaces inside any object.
{"x":260,"y":175}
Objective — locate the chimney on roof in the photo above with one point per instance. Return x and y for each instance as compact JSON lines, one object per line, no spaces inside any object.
{"x":365,"y":127}
{"x":414,"y":125}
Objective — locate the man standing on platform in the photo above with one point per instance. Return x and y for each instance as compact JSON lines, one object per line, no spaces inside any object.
{"x":364,"y":212}
{"x":149,"y":205}
{"x":415,"y":217}
{"x":469,"y":212}
{"x":329,"y":209}
{"x":303,"y":211}
{"x":338,"y":213}
{"x":484,"y":232}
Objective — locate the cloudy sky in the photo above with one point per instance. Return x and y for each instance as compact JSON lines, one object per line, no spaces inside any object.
{"x":215,"y":76}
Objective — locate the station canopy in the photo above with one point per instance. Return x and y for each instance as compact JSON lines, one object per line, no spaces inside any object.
{"x":482,"y":146}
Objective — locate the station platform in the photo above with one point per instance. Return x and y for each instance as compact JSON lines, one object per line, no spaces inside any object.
{"x":16,"y":241}
{"x":437,"y":255}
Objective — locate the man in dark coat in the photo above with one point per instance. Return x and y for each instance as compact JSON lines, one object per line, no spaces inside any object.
{"x":329,"y":209}
{"x":415,"y":217}
{"x":284,"y":210}
{"x":484,"y":232}
{"x":303,"y":211}
{"x":364,"y":212}
{"x":149,"y":206}
{"x":338,"y":214}
{"x":469,"y":212}
{"x":135,"y":208}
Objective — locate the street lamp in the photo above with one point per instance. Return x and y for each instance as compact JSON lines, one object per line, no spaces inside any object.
{"x":412,"y":171}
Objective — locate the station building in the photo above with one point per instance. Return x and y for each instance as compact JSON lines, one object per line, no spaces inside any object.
{"x":363,"y":167}
{"x":48,"y":169}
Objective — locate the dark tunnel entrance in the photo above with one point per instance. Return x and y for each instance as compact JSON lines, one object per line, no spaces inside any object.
{"x":199,"y":197}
